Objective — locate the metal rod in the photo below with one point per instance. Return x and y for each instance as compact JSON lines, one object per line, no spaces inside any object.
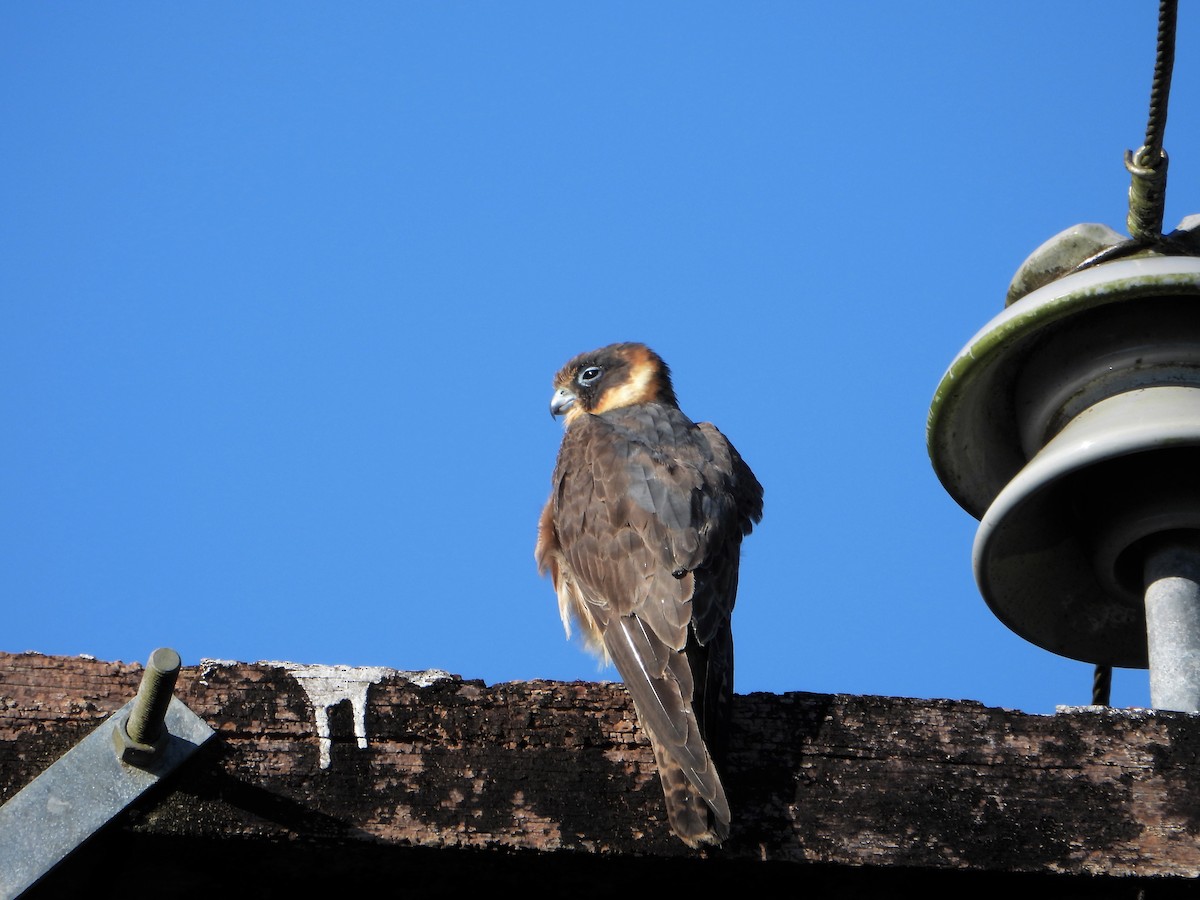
{"x":1172,"y":597}
{"x":154,"y":696}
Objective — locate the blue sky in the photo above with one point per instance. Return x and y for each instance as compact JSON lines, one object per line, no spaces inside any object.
{"x":283,"y":286}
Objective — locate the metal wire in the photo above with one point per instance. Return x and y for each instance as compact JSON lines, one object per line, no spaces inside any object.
{"x":1148,"y":165}
{"x":1164,"y":63}
{"x":1102,"y":686}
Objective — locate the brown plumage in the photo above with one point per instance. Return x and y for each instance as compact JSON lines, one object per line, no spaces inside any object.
{"x":641,"y":537}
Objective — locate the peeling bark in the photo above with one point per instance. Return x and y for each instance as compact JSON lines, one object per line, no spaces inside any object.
{"x":459,"y":779}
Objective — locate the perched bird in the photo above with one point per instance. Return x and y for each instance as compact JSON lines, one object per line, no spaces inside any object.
{"x":641,"y":536}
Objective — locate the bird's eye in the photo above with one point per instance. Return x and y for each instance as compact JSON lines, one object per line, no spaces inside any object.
{"x":590,"y":374}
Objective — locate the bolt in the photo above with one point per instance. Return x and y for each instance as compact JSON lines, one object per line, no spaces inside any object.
{"x":154,"y":696}
{"x":141,"y":735}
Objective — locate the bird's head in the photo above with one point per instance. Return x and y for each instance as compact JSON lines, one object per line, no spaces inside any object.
{"x":609,"y":378}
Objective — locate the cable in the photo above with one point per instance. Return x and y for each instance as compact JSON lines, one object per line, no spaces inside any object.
{"x":1101,"y":686}
{"x":1148,"y":165}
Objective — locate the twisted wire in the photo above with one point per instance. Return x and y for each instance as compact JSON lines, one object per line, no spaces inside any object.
{"x":1101,"y":685}
{"x":1148,"y":166}
{"x":1164,"y":64}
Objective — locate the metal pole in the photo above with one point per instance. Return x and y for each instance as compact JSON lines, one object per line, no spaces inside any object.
{"x":1172,"y":578}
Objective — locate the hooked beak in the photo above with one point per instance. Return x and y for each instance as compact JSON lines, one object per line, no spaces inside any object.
{"x":561,"y":402}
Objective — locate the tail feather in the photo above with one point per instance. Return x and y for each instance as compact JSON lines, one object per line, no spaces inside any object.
{"x":659,"y":680}
{"x":693,"y":820}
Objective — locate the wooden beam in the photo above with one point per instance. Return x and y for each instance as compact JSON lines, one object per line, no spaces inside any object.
{"x":516,"y":776}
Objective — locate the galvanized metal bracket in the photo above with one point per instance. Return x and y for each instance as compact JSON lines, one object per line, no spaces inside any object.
{"x":95,"y":780}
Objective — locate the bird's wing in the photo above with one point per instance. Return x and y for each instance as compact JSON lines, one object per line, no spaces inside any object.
{"x":711,"y":654}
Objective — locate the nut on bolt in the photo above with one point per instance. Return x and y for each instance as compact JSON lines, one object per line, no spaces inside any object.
{"x":141,"y":735}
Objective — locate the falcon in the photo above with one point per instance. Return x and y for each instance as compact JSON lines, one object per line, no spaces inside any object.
{"x":641,"y":537}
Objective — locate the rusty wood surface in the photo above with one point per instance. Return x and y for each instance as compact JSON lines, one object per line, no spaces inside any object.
{"x":554,"y":769}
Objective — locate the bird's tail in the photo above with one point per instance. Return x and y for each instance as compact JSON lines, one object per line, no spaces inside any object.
{"x":660,"y":682}
{"x":692,"y":819}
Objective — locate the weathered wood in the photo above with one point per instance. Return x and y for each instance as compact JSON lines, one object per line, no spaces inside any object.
{"x":469,"y":780}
